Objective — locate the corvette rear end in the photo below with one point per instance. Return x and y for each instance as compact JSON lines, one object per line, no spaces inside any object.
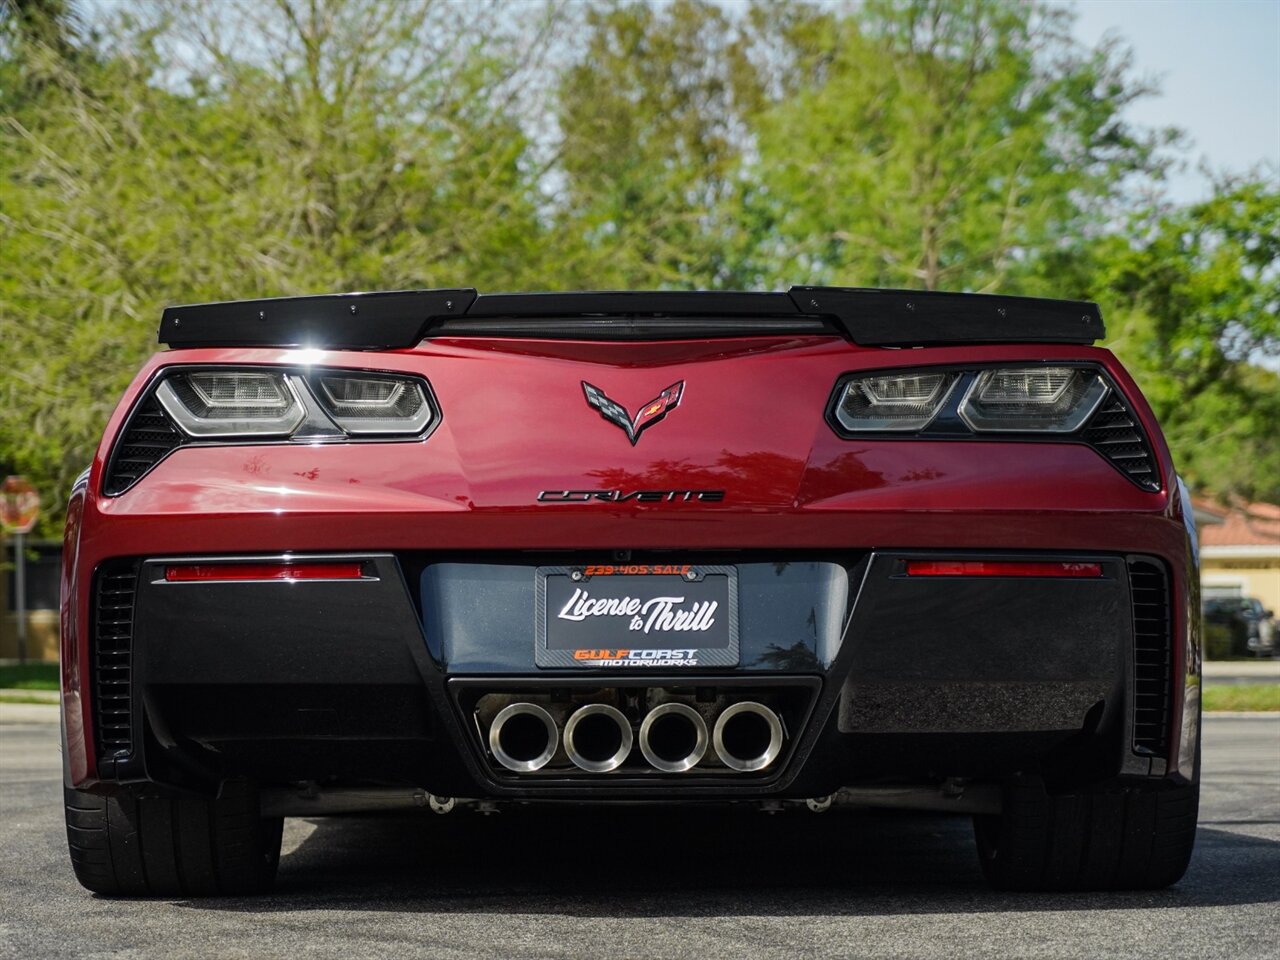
{"x":438,"y":549}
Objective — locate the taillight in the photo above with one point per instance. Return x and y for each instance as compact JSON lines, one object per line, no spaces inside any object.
{"x":284,"y":404}
{"x":1036,"y":399}
{"x":1058,"y":402}
{"x":264,"y":570}
{"x":905,"y":402}
{"x":207,"y":405}
{"x":1002,"y":568}
{"x":232,"y":403}
{"x":373,"y":404}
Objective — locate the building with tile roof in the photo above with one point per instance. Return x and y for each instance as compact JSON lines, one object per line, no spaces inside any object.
{"x":1240,"y":554}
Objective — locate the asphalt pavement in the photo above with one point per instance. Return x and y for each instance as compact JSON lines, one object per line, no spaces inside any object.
{"x":634,"y":883}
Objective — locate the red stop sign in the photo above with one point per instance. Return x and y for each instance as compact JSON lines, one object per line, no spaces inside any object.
{"x":19,"y":504}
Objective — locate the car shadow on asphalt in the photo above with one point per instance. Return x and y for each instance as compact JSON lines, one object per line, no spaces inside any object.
{"x":643,"y":862}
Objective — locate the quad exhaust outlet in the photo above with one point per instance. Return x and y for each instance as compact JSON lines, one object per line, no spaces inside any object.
{"x":597,"y":738}
{"x":523,"y":737}
{"x":673,"y":737}
{"x":551,"y":733}
{"x":747,"y":736}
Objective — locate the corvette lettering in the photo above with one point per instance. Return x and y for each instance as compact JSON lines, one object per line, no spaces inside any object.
{"x":657,"y":613}
{"x":639,"y":496}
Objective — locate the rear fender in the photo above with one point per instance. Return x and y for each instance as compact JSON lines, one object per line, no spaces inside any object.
{"x":78,"y":761}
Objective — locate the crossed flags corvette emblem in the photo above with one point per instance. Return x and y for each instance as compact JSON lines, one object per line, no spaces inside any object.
{"x":649,"y":414}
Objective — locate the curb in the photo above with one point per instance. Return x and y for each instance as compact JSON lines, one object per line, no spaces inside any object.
{"x":1241,"y":668}
{"x":29,"y":713}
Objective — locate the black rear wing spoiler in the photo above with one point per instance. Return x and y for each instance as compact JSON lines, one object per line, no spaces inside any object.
{"x":403,"y":318}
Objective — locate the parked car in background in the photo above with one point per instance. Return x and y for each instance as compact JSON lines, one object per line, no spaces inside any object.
{"x":1252,"y":627}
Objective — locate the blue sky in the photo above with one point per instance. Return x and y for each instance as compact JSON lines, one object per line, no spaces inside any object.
{"x":1218,"y":63}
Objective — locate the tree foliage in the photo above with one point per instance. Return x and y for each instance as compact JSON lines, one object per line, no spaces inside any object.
{"x":647,"y":147}
{"x":935,"y":143}
{"x":182,"y":151}
{"x":242,"y":150}
{"x":1195,"y":296}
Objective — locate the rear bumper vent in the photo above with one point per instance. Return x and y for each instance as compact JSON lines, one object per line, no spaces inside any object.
{"x":1114,"y":431}
{"x":112,"y":653}
{"x":148,"y":439}
{"x":1152,"y":657}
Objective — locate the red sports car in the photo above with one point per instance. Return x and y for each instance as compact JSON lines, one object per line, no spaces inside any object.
{"x":438,"y":549}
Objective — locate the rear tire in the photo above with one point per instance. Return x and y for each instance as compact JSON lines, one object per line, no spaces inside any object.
{"x":172,"y":845}
{"x":1123,"y":838}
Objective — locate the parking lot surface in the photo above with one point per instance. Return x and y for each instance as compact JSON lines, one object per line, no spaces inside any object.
{"x":637,"y":883}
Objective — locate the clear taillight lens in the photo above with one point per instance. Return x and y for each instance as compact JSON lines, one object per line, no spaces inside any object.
{"x":1032,"y":399}
{"x":232,"y":403}
{"x":377,"y":404}
{"x":899,"y":402}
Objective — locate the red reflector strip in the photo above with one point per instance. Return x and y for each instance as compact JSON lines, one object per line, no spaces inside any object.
{"x":1001,"y":568}
{"x":345,"y":570}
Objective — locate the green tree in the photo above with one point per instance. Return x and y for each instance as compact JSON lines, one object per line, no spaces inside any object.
{"x":934,"y":143}
{"x":1193,"y":303}
{"x":188,"y":152}
{"x":647,"y":152}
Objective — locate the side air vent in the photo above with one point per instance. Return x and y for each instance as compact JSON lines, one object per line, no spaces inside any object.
{"x":1152,"y":657}
{"x":148,"y":439}
{"x":1115,"y":433}
{"x":117,"y":583}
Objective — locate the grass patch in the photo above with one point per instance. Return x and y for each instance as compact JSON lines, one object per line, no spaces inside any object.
{"x":29,"y":676}
{"x":27,"y":698}
{"x":1263,"y":697}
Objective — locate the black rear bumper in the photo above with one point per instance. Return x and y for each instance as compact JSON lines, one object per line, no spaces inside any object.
{"x":892,"y":678}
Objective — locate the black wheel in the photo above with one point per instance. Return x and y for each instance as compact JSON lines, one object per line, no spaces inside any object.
{"x":172,"y":845}
{"x":1124,"y":838}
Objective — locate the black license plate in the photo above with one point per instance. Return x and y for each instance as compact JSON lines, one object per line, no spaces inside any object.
{"x":637,"y":615}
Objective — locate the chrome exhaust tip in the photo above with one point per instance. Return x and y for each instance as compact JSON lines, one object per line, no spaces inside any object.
{"x":523,"y":737}
{"x":597,"y":738}
{"x":747,"y":736}
{"x":673,"y":737}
